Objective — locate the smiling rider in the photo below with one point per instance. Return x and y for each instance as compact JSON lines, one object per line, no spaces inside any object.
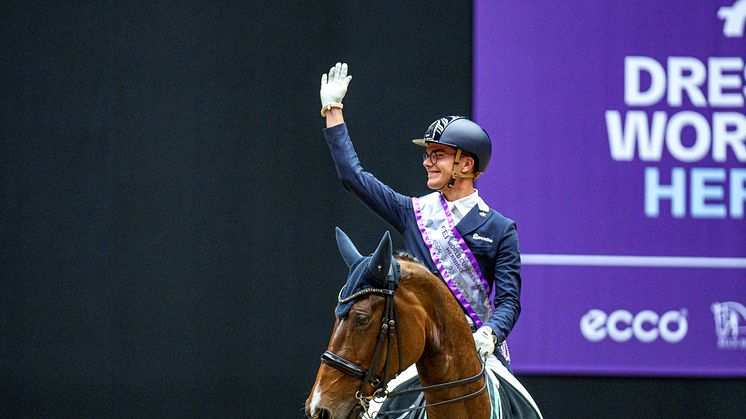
{"x":452,"y":230}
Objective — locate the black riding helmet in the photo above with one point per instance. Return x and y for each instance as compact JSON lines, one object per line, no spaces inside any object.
{"x":461,"y":133}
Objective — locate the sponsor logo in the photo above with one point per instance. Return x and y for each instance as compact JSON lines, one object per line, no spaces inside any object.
{"x":735,"y":19}
{"x":730,"y":324}
{"x":646,"y":326}
{"x":482,"y":238}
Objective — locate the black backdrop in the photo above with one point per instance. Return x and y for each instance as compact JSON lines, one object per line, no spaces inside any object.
{"x":168,"y":202}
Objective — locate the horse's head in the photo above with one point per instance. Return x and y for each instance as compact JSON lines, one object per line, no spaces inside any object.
{"x":365,"y":350}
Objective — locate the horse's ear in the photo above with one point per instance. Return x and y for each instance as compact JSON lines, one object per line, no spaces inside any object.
{"x":380,"y":262}
{"x":346,"y":248}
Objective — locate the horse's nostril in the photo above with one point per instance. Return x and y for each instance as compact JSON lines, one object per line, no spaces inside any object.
{"x":324,"y":413}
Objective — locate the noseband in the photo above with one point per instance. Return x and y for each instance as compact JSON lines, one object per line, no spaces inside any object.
{"x":388,"y":326}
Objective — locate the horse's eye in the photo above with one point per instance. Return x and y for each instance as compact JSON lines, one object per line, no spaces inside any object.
{"x":361,"y":319}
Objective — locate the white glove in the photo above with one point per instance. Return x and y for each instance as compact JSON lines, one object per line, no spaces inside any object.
{"x":484,"y":341}
{"x":334,"y":88}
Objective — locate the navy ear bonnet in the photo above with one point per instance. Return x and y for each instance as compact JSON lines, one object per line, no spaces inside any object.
{"x":378,"y":271}
{"x":361,"y":278}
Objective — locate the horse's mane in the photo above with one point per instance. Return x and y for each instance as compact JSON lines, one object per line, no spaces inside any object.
{"x":402,"y":255}
{"x":414,"y":269}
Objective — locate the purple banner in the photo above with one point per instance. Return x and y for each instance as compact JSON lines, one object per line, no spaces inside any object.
{"x":619,"y":147}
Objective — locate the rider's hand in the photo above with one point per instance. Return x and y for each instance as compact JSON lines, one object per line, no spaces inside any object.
{"x":334,"y":87}
{"x":483,"y":339}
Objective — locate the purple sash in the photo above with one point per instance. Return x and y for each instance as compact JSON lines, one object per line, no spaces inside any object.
{"x":452,"y":256}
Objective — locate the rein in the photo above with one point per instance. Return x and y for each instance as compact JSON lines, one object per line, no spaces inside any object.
{"x":433,"y":387}
{"x":388,"y":326}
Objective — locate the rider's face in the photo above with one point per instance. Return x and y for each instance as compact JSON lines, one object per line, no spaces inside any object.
{"x":438,"y":173}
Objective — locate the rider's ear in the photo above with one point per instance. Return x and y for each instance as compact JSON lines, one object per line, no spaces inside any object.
{"x":469,"y":163}
{"x":346,"y":248}
{"x":380,"y":262}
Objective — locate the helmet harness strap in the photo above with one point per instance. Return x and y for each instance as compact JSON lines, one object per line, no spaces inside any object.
{"x":455,"y":174}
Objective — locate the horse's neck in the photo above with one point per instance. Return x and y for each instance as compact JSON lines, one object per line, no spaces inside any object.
{"x":449,"y":355}
{"x":445,"y":358}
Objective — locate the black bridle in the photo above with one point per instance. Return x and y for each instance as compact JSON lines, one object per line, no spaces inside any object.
{"x":388,"y":328}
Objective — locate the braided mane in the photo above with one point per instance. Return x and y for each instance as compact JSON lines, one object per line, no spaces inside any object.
{"x":403,"y":255}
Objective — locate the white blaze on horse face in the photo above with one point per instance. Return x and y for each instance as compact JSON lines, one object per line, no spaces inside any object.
{"x":318,"y":400}
{"x":332,"y":391}
{"x":315,"y":399}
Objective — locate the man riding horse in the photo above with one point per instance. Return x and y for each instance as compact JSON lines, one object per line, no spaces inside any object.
{"x":452,"y":231}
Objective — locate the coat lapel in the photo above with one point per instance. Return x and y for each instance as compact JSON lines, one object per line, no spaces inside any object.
{"x":473,"y":220}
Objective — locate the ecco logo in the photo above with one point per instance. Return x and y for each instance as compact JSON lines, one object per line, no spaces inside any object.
{"x":646,"y":326}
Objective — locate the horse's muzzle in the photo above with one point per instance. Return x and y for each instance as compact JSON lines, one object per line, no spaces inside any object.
{"x":324,"y":413}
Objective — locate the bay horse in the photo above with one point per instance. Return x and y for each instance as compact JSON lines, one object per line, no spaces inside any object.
{"x":392,"y":313}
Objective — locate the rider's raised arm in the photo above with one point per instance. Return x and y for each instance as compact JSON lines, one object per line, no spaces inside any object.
{"x":384,"y":201}
{"x":387,"y":203}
